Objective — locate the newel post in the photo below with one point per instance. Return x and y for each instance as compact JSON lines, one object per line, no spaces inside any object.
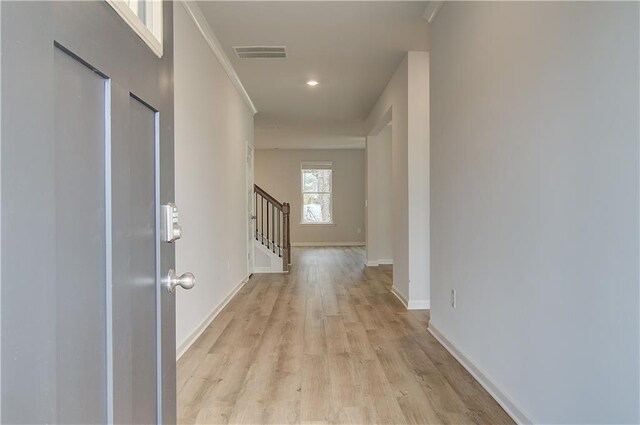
{"x":286,"y":235}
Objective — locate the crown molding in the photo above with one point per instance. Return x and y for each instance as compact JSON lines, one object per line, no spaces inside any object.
{"x":193,"y":10}
{"x":432,"y":10}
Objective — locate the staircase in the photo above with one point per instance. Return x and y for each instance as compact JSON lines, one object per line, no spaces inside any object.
{"x":272,"y":236}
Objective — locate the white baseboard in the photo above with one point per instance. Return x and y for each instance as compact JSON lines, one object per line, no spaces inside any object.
{"x":188,"y":341}
{"x":267,"y":270}
{"x":419,"y":305}
{"x":411,"y":305}
{"x":401,"y":297}
{"x":376,"y":263}
{"x":309,"y":244}
{"x":483,"y":379}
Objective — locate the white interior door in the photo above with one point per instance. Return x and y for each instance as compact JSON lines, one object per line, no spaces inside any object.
{"x":250,"y":211}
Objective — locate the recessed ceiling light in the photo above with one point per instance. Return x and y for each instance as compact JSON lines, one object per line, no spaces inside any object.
{"x":312,"y":83}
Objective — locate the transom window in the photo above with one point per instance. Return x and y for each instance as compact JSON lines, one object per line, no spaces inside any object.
{"x":316,"y":185}
{"x":145,"y":18}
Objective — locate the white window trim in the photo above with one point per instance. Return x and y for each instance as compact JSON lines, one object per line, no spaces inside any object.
{"x":151,"y":39}
{"x":309,"y":165}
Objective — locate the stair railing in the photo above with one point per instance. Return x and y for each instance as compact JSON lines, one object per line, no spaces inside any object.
{"x":273,"y":228}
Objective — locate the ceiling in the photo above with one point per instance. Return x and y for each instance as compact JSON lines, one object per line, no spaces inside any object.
{"x":351,"y":48}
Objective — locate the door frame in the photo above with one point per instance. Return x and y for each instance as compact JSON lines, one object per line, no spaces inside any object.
{"x":0,"y":211}
{"x":250,"y":208}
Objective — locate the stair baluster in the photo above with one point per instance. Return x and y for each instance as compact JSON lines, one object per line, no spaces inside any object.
{"x":273,"y":227}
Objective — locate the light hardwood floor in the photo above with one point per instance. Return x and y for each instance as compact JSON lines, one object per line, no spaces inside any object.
{"x":327,"y":343}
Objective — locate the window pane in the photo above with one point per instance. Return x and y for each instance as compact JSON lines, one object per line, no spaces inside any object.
{"x":309,"y":181}
{"x":142,"y":9}
{"x":316,"y":208}
{"x":316,"y":181}
{"x":324,"y":180}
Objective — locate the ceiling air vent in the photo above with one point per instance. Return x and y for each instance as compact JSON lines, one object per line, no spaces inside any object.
{"x":254,"y":52}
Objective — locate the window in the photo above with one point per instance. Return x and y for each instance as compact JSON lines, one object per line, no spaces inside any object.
{"x":145,"y":18}
{"x":316,"y":193}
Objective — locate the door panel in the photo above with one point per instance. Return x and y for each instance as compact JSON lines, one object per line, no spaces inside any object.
{"x":80,"y":237}
{"x":135,"y":275}
{"x":143,"y":278}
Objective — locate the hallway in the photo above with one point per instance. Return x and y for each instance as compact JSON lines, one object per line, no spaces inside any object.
{"x":328,"y":343}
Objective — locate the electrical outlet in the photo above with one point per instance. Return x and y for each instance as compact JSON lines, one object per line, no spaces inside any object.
{"x":359,"y":230}
{"x":453,"y":298}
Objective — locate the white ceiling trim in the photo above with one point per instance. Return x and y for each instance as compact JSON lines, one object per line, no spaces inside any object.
{"x":432,"y":10}
{"x":201,"y":22}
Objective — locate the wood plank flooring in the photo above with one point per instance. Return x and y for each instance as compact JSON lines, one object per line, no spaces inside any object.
{"x":327,"y":343}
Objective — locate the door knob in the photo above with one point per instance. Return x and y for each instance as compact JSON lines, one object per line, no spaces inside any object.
{"x":186,"y":281}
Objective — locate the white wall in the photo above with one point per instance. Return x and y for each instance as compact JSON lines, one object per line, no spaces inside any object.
{"x":212,"y":125}
{"x":278,"y":172}
{"x":418,"y":178}
{"x":406,"y":100}
{"x":379,"y":198}
{"x":534,"y":166}
{"x":385,"y":217}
